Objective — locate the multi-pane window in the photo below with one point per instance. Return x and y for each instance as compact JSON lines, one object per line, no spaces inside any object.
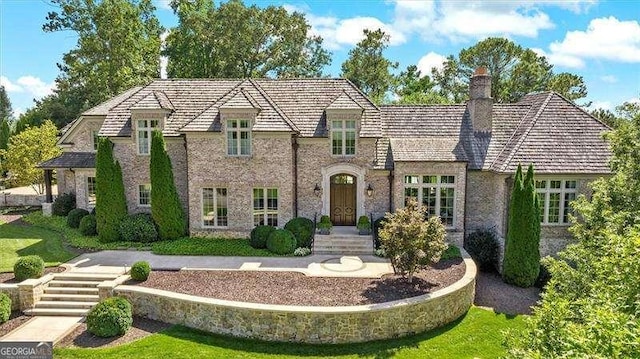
{"x":435,"y":193}
{"x":91,"y":190}
{"x":265,"y":206}
{"x":214,"y":207}
{"x":144,"y":195}
{"x":343,"y":137}
{"x":555,"y":198}
{"x":145,"y":128}
{"x":94,"y":138}
{"x":238,"y":138}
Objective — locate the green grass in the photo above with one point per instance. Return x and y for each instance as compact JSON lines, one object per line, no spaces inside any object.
{"x":478,"y":334}
{"x":451,"y":252}
{"x":17,"y":241}
{"x":210,"y":247}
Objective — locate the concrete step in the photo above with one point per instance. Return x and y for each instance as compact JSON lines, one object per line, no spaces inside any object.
{"x":57,"y":311}
{"x":74,"y":283}
{"x":70,"y":290}
{"x":91,"y":277}
{"x":65,"y":304}
{"x":70,"y":297}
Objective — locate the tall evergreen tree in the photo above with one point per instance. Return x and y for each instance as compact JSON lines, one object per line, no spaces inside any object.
{"x":521,"y":263}
{"x":6,"y":112}
{"x":111,"y":203}
{"x":5,"y":133}
{"x":166,"y":208}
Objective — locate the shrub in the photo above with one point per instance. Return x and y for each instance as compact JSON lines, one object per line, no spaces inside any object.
{"x":112,"y":316}
{"x":88,"y":225}
{"x":140,"y":271}
{"x":483,"y":247}
{"x":545,"y":275}
{"x":28,"y":267}
{"x":380,"y":252}
{"x":138,"y":228}
{"x":75,"y":216}
{"x":302,"y":230}
{"x":325,"y":225}
{"x":281,"y":241}
{"x":64,"y":204}
{"x":363,"y":223}
{"x":111,"y":203}
{"x":377,"y":224}
{"x":5,"y":307}
{"x":259,"y":236}
{"x":301,"y":252}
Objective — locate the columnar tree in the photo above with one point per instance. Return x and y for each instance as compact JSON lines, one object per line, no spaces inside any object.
{"x":166,"y":208}
{"x":111,"y":203}
{"x":521,"y":263}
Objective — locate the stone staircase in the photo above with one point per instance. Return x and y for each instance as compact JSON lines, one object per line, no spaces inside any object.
{"x":343,"y":240}
{"x":70,"y":294}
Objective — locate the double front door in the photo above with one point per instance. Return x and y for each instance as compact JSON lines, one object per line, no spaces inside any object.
{"x":343,"y":200}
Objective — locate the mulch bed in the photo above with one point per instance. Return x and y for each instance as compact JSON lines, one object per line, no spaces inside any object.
{"x":493,"y":293}
{"x":15,"y":320}
{"x":141,"y":328}
{"x":8,"y":278}
{"x":291,"y":288}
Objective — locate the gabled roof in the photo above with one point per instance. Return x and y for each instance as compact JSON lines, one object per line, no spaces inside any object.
{"x":103,"y":108}
{"x":71,"y":160}
{"x":156,"y":100}
{"x":344,"y":102}
{"x":240,"y":100}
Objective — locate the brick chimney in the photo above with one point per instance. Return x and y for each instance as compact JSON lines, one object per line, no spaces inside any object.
{"x":480,"y":103}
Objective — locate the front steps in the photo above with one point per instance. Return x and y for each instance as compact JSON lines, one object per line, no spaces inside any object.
{"x":343,"y":240}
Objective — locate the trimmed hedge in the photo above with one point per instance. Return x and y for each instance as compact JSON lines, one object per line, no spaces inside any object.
{"x":281,"y":241}
{"x":138,"y":228}
{"x":302,"y":230}
{"x":64,"y":204}
{"x":28,"y":267}
{"x":75,"y":216}
{"x":88,"y":225}
{"x":112,"y":316}
{"x":259,"y":236}
{"x":140,"y":271}
{"x":5,"y":307}
{"x":483,"y":247}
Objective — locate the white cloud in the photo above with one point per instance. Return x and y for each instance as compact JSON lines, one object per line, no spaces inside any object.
{"x":429,"y":61}
{"x":605,"y":105}
{"x":31,"y":84}
{"x":10,"y":86}
{"x":560,"y":59}
{"x":163,"y":4}
{"x":164,"y":60}
{"x":337,"y":33}
{"x":18,"y":111}
{"x":609,"y":79}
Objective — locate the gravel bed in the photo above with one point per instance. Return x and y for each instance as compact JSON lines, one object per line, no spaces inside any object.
{"x":141,"y":328}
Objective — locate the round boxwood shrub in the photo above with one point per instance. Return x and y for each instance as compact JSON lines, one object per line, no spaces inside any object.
{"x":302,"y":230}
{"x":484,"y":248}
{"x":140,"y":271}
{"x":281,"y":241}
{"x":64,"y":204}
{"x":138,"y":228}
{"x":75,"y":216}
{"x":259,"y":236}
{"x":5,"y":307}
{"x":28,"y":267}
{"x":112,"y":316}
{"x":88,"y":225}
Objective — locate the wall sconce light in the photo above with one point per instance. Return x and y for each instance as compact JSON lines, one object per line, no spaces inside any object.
{"x":369,"y":190}
{"x":317,"y":190}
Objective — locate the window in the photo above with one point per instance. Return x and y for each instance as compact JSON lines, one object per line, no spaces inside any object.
{"x":91,"y":191}
{"x":343,"y":137}
{"x":214,"y":207}
{"x":265,"y":206}
{"x":555,"y":198}
{"x":144,"y":195}
{"x":435,"y":193}
{"x":238,"y":138}
{"x":94,"y":138}
{"x":145,"y":127}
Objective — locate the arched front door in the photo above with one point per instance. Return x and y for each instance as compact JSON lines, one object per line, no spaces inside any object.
{"x":343,"y":200}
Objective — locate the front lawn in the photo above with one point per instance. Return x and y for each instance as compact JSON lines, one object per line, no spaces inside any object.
{"x":477,"y":335}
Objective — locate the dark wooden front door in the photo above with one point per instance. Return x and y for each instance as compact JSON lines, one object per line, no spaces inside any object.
{"x":343,"y":200}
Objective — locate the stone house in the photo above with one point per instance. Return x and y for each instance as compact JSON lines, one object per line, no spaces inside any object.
{"x":262,"y":151}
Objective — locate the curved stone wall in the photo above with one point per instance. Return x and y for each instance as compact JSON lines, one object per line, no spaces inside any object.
{"x":347,"y":324}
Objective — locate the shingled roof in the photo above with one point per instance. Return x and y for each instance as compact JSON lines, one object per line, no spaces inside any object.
{"x":71,"y":160}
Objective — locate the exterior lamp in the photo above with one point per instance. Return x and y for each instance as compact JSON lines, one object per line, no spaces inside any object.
{"x":369,"y":190}
{"x":317,"y":190}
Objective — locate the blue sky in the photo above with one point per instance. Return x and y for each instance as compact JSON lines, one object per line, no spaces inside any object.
{"x":599,"y":40}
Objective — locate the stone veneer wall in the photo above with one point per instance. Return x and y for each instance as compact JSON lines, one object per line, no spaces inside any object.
{"x":307,"y":324}
{"x":80,"y":177}
{"x":14,"y":294}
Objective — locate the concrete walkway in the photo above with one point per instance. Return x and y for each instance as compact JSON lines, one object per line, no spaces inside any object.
{"x":43,"y":329}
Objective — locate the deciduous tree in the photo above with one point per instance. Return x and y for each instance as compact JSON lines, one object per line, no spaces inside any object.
{"x":412,"y":87}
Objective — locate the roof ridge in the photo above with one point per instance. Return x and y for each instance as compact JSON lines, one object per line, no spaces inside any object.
{"x":362,"y":93}
{"x":165,"y":98}
{"x":249,"y":98}
{"x":140,"y":87}
{"x":210,"y":106}
{"x":581,"y":109}
{"x":273,"y":104}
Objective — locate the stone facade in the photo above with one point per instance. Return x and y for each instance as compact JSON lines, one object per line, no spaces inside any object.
{"x":486,"y":201}
{"x":82,"y":197}
{"x":31,"y":290}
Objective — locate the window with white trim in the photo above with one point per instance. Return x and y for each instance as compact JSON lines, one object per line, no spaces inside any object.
{"x":555,"y":198}
{"x":145,"y":128}
{"x":265,"y":206}
{"x":238,"y":137}
{"x":343,"y":137}
{"x":434,"y":192}
{"x":214,"y":207}
{"x":91,"y":191}
{"x":144,"y":195}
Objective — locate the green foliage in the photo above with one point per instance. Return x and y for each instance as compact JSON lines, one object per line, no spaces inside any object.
{"x":5,"y":133}
{"x":413,"y":87}
{"x":111,"y":203}
{"x":198,"y":246}
{"x":364,"y":223}
{"x":367,"y":67}
{"x":63,"y":204}
{"x":5,"y":307}
{"x":88,"y":225}
{"x":301,"y":252}
{"x":410,"y":241}
{"x":166,"y":208}
{"x":75,"y":216}
{"x":377,"y":225}
{"x":239,"y":41}
{"x":302,"y":230}
{"x":483,"y":247}
{"x":521,"y":263}
{"x":325,"y":223}
{"x":140,"y":271}
{"x":138,"y":227}
{"x":259,"y":236}
{"x":28,"y":267}
{"x":452,"y":252}
{"x":6,"y":112}
{"x":109,"y":318}
{"x":281,"y":241}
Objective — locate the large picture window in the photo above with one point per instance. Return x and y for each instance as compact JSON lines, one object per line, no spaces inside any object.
{"x":343,"y":137}
{"x":238,"y":138}
{"x":145,"y":128}
{"x":91,"y":191}
{"x":434,"y":192}
{"x":555,"y":198}
{"x":265,"y":206}
{"x":214,"y":207}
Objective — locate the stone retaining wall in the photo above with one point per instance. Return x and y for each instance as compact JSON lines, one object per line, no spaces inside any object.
{"x":14,"y":294}
{"x":347,"y":324}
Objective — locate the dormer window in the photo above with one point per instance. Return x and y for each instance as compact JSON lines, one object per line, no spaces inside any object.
{"x":343,"y":137}
{"x":238,"y":137}
{"x":145,"y":128}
